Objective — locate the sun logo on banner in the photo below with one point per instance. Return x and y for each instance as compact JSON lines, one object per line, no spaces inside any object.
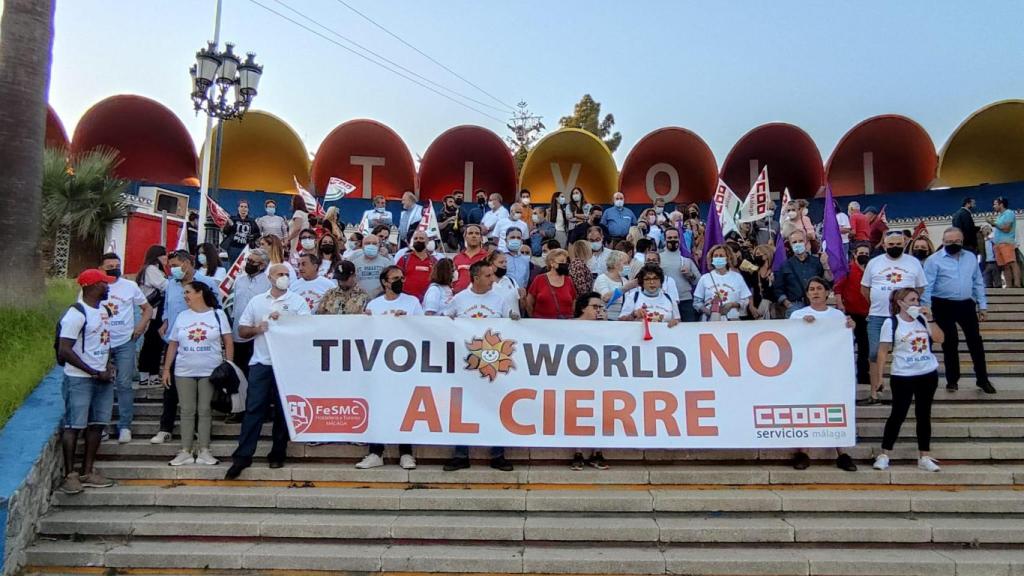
{"x":919,"y":344}
{"x":894,"y":277}
{"x":197,"y":335}
{"x":490,"y":355}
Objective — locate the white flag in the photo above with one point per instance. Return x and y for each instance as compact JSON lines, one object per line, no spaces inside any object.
{"x":786,"y":199}
{"x":428,"y":222}
{"x":755,"y":205}
{"x":183,"y":237}
{"x":727,"y":205}
{"x":337,"y":189}
{"x":313,"y":208}
{"x":364,"y":224}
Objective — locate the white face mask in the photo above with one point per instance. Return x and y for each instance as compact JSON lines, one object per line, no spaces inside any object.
{"x":282,"y":282}
{"x":792,"y":214}
{"x":308,"y":243}
{"x":913,"y":311}
{"x":577,"y":197}
{"x":350,"y":245}
{"x":619,"y":203}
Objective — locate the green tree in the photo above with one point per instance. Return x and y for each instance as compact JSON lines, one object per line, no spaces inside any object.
{"x":587,"y":116}
{"x":26,"y":47}
{"x":81,"y":198}
{"x":526,"y":129}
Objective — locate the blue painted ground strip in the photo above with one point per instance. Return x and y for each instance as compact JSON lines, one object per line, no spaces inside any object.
{"x":24,"y":437}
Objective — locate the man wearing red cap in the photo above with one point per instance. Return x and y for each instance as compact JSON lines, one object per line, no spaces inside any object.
{"x":84,"y":350}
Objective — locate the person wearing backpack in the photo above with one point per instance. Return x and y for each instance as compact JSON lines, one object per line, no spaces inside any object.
{"x":908,"y":334}
{"x":83,"y":349}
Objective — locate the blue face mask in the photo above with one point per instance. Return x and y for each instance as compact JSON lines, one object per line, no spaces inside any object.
{"x":718,"y":262}
{"x":596,"y":246}
{"x":514,"y":245}
{"x":271,"y":210}
{"x":651,"y":293}
{"x":626,"y":270}
{"x":202,"y":259}
{"x":177,"y":273}
{"x":371,"y":250}
{"x":799,"y":248}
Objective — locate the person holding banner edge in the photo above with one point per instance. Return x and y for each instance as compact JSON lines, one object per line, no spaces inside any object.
{"x":589,"y":306}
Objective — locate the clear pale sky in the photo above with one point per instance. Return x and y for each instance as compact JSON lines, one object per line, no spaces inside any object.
{"x":718,"y":68}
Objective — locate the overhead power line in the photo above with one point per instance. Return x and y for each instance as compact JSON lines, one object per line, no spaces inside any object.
{"x":371,"y":60}
{"x":424,"y":54}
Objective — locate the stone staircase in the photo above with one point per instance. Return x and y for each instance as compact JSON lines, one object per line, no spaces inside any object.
{"x":733,"y":512}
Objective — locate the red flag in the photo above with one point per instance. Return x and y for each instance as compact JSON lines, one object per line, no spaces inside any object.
{"x":219,"y":215}
{"x":920,"y":229}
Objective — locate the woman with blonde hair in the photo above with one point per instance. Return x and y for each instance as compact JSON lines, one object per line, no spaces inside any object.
{"x":615,"y":283}
{"x":551,"y":295}
{"x":760,"y":289}
{"x":331,"y":225}
{"x":579,"y":272}
{"x":274,"y":247}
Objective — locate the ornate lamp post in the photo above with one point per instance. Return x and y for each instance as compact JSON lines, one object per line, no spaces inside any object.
{"x":223,"y":87}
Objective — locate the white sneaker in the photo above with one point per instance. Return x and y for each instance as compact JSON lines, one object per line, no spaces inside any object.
{"x":370,"y":461}
{"x":881,"y":462}
{"x":182,"y":458}
{"x":206,"y":458}
{"x":928,"y":464}
{"x":160,"y":437}
{"x":125,"y":436}
{"x":104,"y":436}
{"x":407,"y":461}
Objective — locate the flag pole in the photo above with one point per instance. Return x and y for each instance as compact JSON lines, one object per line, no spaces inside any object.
{"x":204,"y":185}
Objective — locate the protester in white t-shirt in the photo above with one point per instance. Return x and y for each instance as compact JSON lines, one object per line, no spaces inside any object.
{"x":310,"y":284}
{"x":914,"y":375}
{"x":122,"y":299}
{"x":198,"y":343}
{"x":369,"y":263}
{"x":439,"y":293}
{"x":817,"y":291}
{"x":882,"y":275}
{"x":650,"y":299}
{"x":615,"y":283}
{"x":481,"y":300}
{"x":84,"y":348}
{"x":393,"y":302}
{"x":721,"y":285}
{"x":514,"y":220}
{"x":505,"y":284}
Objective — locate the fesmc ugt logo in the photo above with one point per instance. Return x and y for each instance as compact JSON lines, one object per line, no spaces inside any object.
{"x":490,"y":355}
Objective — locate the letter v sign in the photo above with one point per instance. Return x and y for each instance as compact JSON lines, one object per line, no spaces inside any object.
{"x":560,"y":184}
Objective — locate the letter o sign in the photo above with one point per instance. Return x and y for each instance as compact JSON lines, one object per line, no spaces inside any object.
{"x":673,"y":178}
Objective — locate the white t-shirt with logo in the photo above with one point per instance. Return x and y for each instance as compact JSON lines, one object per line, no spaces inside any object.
{"x":469,"y":304}
{"x":96,"y":347}
{"x":730,"y":288}
{"x":912,"y":352}
{"x":121,"y":301}
{"x":884,"y":275}
{"x":660,"y":308}
{"x":381,"y":306}
{"x":828,"y":312}
{"x":200,"y":344}
{"x":437,"y":298}
{"x":312,"y":290}
{"x":259,"y":310}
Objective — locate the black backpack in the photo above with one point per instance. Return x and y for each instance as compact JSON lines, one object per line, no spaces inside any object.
{"x":920,"y":320}
{"x":56,"y":335}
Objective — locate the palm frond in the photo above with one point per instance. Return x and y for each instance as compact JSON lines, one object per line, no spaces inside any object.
{"x":81,"y":191}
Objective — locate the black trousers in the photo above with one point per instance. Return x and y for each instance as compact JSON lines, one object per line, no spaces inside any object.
{"x":860,"y":338}
{"x":906,"y":389}
{"x":378,"y":449}
{"x":949,"y":313}
{"x":243,"y":353}
{"x":170,"y":407}
{"x":262,"y":388}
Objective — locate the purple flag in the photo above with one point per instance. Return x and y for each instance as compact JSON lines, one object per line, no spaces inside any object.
{"x":833,"y":239}
{"x":684,"y":250}
{"x":712,"y":237}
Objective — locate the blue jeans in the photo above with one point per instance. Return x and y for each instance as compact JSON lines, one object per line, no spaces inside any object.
{"x":262,"y":390}
{"x":874,"y":335}
{"x":87,"y":402}
{"x":124,"y":361}
{"x":463,"y":452}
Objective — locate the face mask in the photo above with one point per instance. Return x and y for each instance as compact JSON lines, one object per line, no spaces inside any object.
{"x":397,"y":286}
{"x":759,"y":260}
{"x":626,"y":270}
{"x":251,"y":269}
{"x":282,"y":282}
{"x":481,"y":201}
{"x":327,"y":248}
{"x":116,"y":272}
{"x":913,"y":311}
{"x":894,"y":251}
{"x":458,"y":201}
{"x":863,"y":259}
{"x":562,"y":269}
{"x":525,"y":200}
{"x":672,"y":245}
{"x":419,"y":246}
{"x":500,"y":272}
{"x":920,"y":254}
{"x":371,"y":250}
{"x":693,"y":214}
{"x":620,"y":203}
{"x":350,"y":245}
{"x":202,"y":259}
{"x":271,"y":210}
{"x":954,"y":248}
{"x":596,"y":246}
{"x":513,"y":216}
{"x":561,"y":200}
{"x":515,"y":244}
{"x":431,"y":245}
{"x":177,"y":273}
{"x":379,"y":208}
{"x":307,"y":243}
{"x":577,"y":197}
{"x":495,"y":205}
{"x":718,"y":262}
{"x":659,"y":209}
{"x":799,"y":248}
{"x":651,"y":220}
{"x":536,"y":218}
{"x":651,"y":293}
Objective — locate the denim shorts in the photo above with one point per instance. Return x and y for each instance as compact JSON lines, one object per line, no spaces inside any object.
{"x":875,"y":335}
{"x":87,"y":402}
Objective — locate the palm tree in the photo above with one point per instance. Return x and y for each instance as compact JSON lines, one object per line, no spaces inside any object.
{"x":81,"y":198}
{"x":26,"y":46}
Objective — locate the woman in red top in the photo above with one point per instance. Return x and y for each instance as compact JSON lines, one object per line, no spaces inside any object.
{"x":850,"y":300}
{"x":551,"y":295}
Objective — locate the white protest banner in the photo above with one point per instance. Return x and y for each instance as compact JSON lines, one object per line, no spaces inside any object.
{"x":563,"y":383}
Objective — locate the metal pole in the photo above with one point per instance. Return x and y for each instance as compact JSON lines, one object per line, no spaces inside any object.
{"x":163,"y":228}
{"x":205,"y":181}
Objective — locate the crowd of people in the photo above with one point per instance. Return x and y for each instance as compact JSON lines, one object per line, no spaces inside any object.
{"x":564,"y":259}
